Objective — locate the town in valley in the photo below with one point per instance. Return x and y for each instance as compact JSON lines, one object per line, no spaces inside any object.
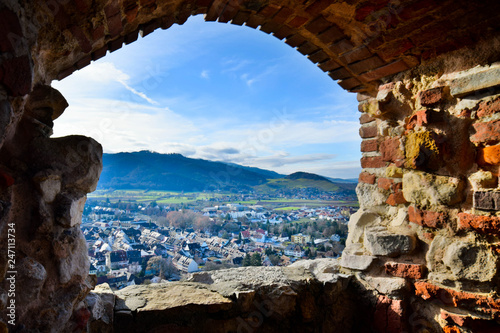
{"x":142,"y":237}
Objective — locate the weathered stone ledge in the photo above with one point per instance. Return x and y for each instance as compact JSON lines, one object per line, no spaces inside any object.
{"x":309,"y":296}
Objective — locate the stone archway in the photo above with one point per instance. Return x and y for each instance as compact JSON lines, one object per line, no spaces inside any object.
{"x":424,"y":244}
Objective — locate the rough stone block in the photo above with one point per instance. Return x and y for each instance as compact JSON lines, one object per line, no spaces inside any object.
{"x":470,"y":261}
{"x":357,"y":224}
{"x":49,"y":186}
{"x":488,"y":155}
{"x":431,"y":96}
{"x":425,"y":189}
{"x":356,"y":262}
{"x":390,"y":286}
{"x":422,"y":151}
{"x":405,"y":270}
{"x":488,"y":133}
{"x":370,"y":195}
{"x":426,"y":218}
{"x":68,"y":209}
{"x":474,"y":80}
{"x":379,"y":242}
{"x":482,"y":179}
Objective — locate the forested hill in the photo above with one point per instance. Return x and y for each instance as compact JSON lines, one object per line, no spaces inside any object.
{"x":175,"y":172}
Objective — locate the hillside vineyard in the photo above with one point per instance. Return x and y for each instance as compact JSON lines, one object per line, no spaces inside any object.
{"x":422,"y":251}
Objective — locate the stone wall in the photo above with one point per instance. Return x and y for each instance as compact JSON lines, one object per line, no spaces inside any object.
{"x":424,"y":246}
{"x":428,"y":218}
{"x":309,"y":296}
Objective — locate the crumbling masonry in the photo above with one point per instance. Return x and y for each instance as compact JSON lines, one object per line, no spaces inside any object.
{"x":422,"y":253}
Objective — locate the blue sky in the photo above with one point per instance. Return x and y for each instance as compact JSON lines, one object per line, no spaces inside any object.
{"x":219,"y":92}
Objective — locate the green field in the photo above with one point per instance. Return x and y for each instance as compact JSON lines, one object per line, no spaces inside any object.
{"x":204,"y":199}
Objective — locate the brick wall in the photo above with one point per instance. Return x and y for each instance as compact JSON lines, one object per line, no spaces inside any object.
{"x":430,"y":173}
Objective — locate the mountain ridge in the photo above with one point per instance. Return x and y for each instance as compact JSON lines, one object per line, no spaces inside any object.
{"x":175,"y":172}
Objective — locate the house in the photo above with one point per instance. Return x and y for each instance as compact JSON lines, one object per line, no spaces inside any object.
{"x":116,"y":259}
{"x":185,"y":264}
{"x":134,"y":256}
{"x":92,"y":269}
{"x":301,"y":239}
{"x":294,"y":250}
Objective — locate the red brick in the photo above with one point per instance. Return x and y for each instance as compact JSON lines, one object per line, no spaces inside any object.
{"x":488,"y":155}
{"x":318,"y":25}
{"x":318,"y":6}
{"x":395,"y":199}
{"x":331,"y":35}
{"x":215,"y":10}
{"x":431,"y":96}
{"x":241,"y":18}
{"x":115,"y":44}
{"x":329,"y":65}
{"x":366,"y":65}
{"x":392,"y":68}
{"x":295,"y":40}
{"x":385,"y":183}
{"x":115,"y":26}
{"x":367,"y":178}
{"x":488,"y":133}
{"x":83,"y":41}
{"x":366,"y":10}
{"x":82,"y":5}
{"x":426,"y":218}
{"x":269,"y":10}
{"x":307,"y":48}
{"x":297,"y":21}
{"x":283,"y":15}
{"x":17,"y":75}
{"x":349,"y":83}
{"x":368,"y":131}
{"x":369,"y":145}
{"x":395,"y":49}
{"x":339,"y":74}
{"x":341,"y":46}
{"x":11,"y":30}
{"x":372,"y":162}
{"x":488,"y":108}
{"x":464,"y":300}
{"x":411,"y":271}
{"x":427,"y":116}
{"x":318,"y":56}
{"x":254,"y":21}
{"x":356,"y":54}
{"x":389,"y":315}
{"x":283,"y":32}
{"x":390,"y":150}
{"x":365,"y":118}
{"x":98,"y":33}
{"x":451,"y":329}
{"x":6,"y":180}
{"x":482,"y":224}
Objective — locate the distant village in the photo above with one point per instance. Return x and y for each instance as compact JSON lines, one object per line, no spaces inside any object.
{"x":142,"y":244}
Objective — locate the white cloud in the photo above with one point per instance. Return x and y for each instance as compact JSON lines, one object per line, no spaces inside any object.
{"x":205,"y":74}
